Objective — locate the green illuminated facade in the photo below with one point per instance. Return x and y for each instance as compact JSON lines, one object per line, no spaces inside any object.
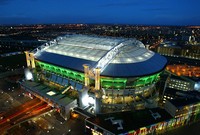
{"x":123,"y":83}
{"x":77,"y":76}
{"x":106,"y":82}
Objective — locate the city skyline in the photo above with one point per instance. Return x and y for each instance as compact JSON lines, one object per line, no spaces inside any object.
{"x":99,"y":79}
{"x":143,"y":12}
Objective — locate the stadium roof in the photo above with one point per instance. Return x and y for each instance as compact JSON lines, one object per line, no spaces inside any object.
{"x":128,"y":59}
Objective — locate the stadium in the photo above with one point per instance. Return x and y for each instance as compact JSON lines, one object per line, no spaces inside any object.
{"x":103,"y":73}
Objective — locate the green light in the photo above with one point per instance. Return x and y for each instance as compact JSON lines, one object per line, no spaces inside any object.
{"x":120,"y":83}
{"x":146,"y":80}
{"x":62,"y":71}
{"x":115,"y":83}
{"x":131,"y":132}
{"x":106,"y":82}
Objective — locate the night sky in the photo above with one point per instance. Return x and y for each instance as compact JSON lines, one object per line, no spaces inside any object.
{"x":142,"y":12}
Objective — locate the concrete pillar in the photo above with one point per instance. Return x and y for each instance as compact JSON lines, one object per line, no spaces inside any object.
{"x":27,"y":58}
{"x":97,"y":78}
{"x":86,"y":71}
{"x":30,"y":60}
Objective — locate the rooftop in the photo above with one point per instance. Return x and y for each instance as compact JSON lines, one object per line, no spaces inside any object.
{"x":44,"y":91}
{"x":130,"y":120}
{"x":129,"y":55}
{"x":184,"y":101}
{"x":93,"y":48}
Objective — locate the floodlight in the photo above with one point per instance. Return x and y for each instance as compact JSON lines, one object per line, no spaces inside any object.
{"x":28,"y":75}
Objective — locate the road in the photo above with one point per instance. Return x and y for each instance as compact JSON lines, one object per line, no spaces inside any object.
{"x":22,"y":113}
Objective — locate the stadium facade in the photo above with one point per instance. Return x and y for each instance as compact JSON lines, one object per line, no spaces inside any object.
{"x":105,"y":73}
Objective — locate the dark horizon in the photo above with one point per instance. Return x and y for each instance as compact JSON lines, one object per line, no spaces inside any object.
{"x":144,"y":12}
{"x":111,"y":24}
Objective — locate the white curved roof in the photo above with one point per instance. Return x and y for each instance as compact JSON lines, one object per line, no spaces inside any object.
{"x":117,"y":57}
{"x":94,"y":48}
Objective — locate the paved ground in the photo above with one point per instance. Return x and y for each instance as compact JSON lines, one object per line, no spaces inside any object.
{"x":10,"y":95}
{"x":48,"y":124}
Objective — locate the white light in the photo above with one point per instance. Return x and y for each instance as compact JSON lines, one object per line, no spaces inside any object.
{"x":146,"y":55}
{"x":91,"y":100}
{"x":51,"y":93}
{"x":28,"y":74}
{"x":85,"y":100}
{"x":129,"y":60}
{"x":197,"y":86}
{"x":140,"y":58}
